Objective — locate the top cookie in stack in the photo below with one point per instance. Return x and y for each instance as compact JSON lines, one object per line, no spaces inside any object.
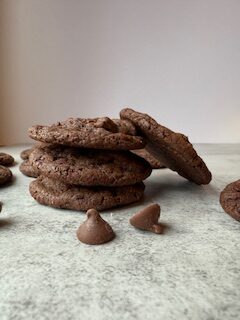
{"x":86,"y":163}
{"x":98,"y":133}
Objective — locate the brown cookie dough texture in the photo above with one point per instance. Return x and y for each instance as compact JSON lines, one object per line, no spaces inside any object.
{"x":60,"y":195}
{"x":5,"y":175}
{"x":89,"y":167}
{"x":154,"y":163}
{"x":6,"y":159}
{"x":230,"y":199}
{"x":172,"y":149}
{"x":26,"y":153}
{"x":98,"y":133}
{"x":28,"y":170}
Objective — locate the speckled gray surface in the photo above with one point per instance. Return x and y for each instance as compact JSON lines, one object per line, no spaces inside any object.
{"x":190,"y":272}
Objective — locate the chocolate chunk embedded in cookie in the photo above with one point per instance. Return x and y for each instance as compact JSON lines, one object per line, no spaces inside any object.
{"x":154,"y":163}
{"x":98,"y":133}
{"x":89,"y":167}
{"x":60,"y":195}
{"x":6,"y":159}
{"x":172,"y":149}
{"x":5,"y":175}
{"x":230,"y":199}
{"x":28,"y":170}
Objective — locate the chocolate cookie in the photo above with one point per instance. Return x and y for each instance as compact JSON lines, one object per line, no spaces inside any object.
{"x":89,"y":167}
{"x":6,"y":159}
{"x":26,"y":153}
{"x":28,"y":170}
{"x":230,"y":199}
{"x":60,"y":195}
{"x":125,"y":126}
{"x":5,"y":175}
{"x":154,"y":163}
{"x":98,"y":133}
{"x":172,"y":149}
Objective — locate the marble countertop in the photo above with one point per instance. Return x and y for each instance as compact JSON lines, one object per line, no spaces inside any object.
{"x":190,"y":272}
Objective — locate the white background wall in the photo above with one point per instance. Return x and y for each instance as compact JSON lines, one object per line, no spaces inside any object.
{"x":178,"y":60}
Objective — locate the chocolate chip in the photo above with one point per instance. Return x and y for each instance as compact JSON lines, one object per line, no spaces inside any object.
{"x":95,"y":230}
{"x":147,"y":219}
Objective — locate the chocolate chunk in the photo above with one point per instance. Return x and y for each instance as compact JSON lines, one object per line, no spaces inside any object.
{"x":147,"y":219}
{"x":95,"y":230}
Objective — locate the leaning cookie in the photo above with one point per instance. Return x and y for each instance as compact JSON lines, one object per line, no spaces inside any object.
{"x":6,"y":159}
{"x":89,"y":167}
{"x":98,"y":133}
{"x":28,"y":170}
{"x":230,"y":199}
{"x":5,"y":175}
{"x":154,"y":163}
{"x":60,"y":195}
{"x":172,"y":149}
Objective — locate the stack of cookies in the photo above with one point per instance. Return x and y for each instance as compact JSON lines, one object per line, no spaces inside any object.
{"x":87,"y":163}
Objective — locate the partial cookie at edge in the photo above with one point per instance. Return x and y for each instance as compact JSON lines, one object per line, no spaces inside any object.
{"x":230,"y":199}
{"x":6,"y":159}
{"x":5,"y":175}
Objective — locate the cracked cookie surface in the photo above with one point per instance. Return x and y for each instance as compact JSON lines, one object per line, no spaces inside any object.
{"x":89,"y":167}
{"x":60,"y":195}
{"x":97,"y":133}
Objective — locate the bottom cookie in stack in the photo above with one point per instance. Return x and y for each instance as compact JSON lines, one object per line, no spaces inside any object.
{"x":58,"y":194}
